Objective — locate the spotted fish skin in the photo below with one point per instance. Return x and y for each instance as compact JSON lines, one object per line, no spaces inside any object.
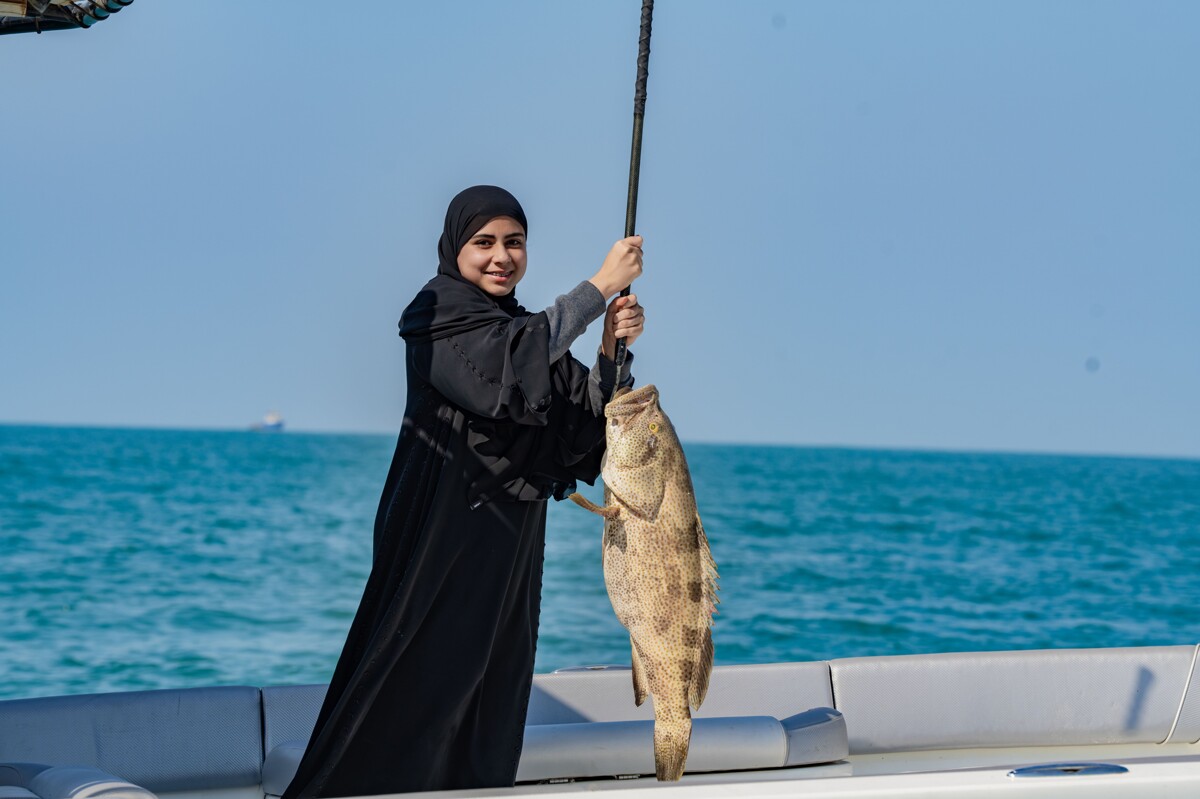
{"x":658,"y":569}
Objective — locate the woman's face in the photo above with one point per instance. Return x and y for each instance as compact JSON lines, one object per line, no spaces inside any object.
{"x":494,"y":258}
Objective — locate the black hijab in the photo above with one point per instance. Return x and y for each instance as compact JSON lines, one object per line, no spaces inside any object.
{"x":450,"y":304}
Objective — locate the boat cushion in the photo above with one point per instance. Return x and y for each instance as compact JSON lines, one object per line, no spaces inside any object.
{"x":816,"y":736}
{"x":84,"y":782}
{"x":173,"y":740}
{"x":572,"y":699}
{"x":38,"y":781}
{"x":289,"y":712}
{"x":997,"y":699}
{"x":20,"y":773}
{"x":15,"y":776}
{"x":611,"y":748}
{"x":280,"y":766}
{"x":614,"y":748}
{"x":778,"y":690}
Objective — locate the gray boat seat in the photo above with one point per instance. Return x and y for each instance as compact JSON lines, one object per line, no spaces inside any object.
{"x":584,"y":724}
{"x":37,"y":781}
{"x":280,"y":766}
{"x":737,"y":743}
{"x":164,"y":741}
{"x":775,"y":689}
{"x":615,"y":748}
{"x":289,"y":714}
{"x":1005,"y":699}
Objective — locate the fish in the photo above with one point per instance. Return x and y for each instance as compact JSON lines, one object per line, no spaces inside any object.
{"x":658,"y":568}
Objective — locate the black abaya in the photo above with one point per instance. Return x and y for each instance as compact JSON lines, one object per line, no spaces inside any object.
{"x":432,"y":686}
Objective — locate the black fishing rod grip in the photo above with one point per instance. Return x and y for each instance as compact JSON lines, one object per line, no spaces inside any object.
{"x":643,"y":60}
{"x":619,"y":358}
{"x":639,"y":112}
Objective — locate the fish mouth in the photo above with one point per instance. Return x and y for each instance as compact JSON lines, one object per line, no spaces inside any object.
{"x":630,"y":401}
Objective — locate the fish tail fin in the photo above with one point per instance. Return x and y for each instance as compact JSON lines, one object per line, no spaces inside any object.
{"x":704,"y":664}
{"x":641,"y":686}
{"x":671,"y":740}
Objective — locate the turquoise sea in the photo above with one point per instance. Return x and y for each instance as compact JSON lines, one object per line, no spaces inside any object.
{"x":135,"y":559}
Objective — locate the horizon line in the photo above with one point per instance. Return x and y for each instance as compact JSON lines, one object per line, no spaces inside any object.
{"x":914,"y":448}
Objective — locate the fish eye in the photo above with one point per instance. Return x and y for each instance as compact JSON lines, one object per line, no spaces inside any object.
{"x":654,"y":427}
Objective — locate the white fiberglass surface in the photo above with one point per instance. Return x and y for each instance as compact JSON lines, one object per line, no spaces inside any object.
{"x":1160,"y":777}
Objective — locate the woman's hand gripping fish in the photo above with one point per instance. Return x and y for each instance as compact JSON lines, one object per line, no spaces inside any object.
{"x":660,"y":575}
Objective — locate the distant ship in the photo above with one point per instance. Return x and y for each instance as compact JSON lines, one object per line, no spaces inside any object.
{"x":271,"y":423}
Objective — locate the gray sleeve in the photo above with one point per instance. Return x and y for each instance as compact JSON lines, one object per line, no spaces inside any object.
{"x":570,"y":315}
{"x":604,"y":376}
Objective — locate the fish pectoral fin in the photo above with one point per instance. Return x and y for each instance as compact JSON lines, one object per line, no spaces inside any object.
{"x":641,"y":687}
{"x":587,"y":504}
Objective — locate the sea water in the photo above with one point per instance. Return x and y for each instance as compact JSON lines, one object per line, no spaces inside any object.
{"x":134,"y":559}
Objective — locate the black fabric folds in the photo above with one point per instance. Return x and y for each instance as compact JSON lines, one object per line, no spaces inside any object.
{"x":432,"y":686}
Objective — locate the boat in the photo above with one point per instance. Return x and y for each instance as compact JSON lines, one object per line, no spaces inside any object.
{"x":272,"y":422}
{"x":1114,"y":722}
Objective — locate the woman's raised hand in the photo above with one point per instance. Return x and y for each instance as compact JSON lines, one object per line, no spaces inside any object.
{"x":621,"y":266}
{"x":625,"y":319}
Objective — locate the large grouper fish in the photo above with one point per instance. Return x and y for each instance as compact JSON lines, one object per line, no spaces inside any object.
{"x":660,"y":574}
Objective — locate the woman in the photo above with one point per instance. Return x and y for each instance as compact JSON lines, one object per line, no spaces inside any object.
{"x":433,"y":683}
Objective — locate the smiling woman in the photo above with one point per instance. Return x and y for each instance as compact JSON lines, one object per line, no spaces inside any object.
{"x":494,"y":258}
{"x":435,"y":675}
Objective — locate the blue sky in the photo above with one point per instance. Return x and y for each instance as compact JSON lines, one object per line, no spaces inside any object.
{"x":868,"y":223}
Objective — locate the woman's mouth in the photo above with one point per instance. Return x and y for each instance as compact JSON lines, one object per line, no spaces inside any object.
{"x":500,"y":277}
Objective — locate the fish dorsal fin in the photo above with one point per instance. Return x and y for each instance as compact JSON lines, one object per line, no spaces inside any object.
{"x":707,"y":563}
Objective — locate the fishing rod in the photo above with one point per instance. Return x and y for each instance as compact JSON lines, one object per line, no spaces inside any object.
{"x":635,"y":156}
